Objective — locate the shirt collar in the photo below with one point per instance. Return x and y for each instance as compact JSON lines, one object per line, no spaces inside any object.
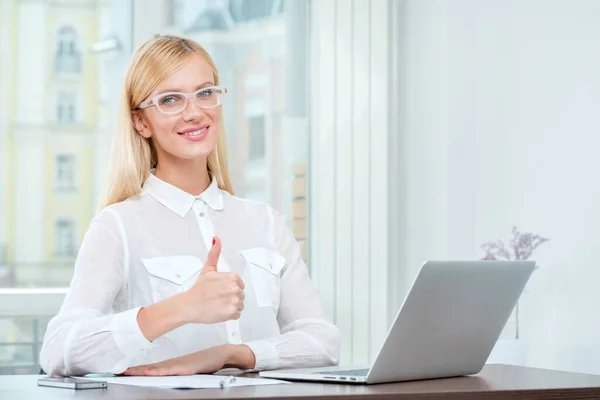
{"x":180,"y":201}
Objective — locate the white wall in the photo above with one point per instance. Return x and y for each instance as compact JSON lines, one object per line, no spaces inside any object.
{"x":499,"y":126}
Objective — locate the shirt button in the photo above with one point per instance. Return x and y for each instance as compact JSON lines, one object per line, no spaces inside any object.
{"x":234,"y":334}
{"x":178,"y":275}
{"x":201,"y":214}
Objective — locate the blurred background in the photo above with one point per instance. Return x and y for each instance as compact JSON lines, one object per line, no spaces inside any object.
{"x":389,"y":132}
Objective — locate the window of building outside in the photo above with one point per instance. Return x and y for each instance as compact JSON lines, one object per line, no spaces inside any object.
{"x":248,"y":10}
{"x":65,"y":237}
{"x":67,"y":55}
{"x":256,"y":128}
{"x":65,"y":107}
{"x":66,"y":165}
{"x":41,"y":227}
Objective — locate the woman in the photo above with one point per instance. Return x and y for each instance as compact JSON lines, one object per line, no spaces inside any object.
{"x":142,"y":301}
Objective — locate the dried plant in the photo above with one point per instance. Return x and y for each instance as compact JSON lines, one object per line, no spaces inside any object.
{"x":520,"y":247}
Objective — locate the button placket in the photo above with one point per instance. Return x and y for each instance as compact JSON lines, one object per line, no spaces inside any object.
{"x":208,"y":231}
{"x":233,"y":332}
{"x":199,"y":207}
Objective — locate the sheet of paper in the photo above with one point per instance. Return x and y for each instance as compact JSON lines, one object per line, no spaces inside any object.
{"x":188,"y":382}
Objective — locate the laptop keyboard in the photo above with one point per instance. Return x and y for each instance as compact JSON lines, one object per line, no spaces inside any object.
{"x":348,"y":372}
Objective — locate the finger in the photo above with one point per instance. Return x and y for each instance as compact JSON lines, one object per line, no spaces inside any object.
{"x":238,"y":281}
{"x":170,"y":371}
{"x":212,"y":259}
{"x":139,"y":370}
{"x":237,"y":291}
{"x":234,"y":311}
{"x":239,"y":304}
{"x":159,"y":371}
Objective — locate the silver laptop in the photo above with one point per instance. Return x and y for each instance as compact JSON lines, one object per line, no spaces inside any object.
{"x":447,"y":326}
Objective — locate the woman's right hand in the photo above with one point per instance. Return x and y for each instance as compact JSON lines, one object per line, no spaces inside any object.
{"x":216,"y":296}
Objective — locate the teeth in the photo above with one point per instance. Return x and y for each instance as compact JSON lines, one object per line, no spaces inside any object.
{"x":195,"y":133}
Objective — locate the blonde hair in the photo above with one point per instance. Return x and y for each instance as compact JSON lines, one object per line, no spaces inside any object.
{"x":133,"y":156}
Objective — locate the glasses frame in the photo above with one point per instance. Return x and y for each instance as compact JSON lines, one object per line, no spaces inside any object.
{"x":154,"y":100}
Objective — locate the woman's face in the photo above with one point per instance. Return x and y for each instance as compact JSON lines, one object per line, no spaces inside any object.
{"x":190,"y":134}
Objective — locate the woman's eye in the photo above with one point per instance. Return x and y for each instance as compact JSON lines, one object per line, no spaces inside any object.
{"x":206,"y":92}
{"x":167,"y":100}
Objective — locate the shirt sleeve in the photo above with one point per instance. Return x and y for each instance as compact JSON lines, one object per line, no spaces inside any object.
{"x":308,"y":338}
{"x":87,"y":336}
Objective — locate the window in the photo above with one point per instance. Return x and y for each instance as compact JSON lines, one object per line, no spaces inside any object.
{"x":68,"y":59}
{"x":243,"y":10}
{"x":169,"y":12}
{"x":65,"y":237}
{"x":38,"y":241}
{"x":256,"y":133}
{"x":65,"y":107}
{"x":66,"y":165}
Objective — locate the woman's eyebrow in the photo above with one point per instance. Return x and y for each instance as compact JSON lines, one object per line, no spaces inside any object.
{"x":205,"y":84}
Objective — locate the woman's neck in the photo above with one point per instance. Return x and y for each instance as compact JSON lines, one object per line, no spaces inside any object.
{"x":190,"y":176}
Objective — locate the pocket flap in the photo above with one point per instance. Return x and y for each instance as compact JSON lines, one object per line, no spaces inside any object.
{"x":176,"y":269}
{"x":264,"y":258}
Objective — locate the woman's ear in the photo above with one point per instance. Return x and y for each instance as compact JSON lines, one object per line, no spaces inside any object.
{"x":140,"y":125}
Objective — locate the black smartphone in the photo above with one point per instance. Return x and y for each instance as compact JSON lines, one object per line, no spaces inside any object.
{"x":71,"y":383}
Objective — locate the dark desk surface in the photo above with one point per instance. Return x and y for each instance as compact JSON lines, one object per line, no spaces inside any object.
{"x":494,"y":382}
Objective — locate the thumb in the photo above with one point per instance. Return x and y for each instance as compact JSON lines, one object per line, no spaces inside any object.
{"x":213,"y":256}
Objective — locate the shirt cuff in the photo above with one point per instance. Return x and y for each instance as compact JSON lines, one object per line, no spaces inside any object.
{"x":265,"y":353}
{"x":127,"y":333}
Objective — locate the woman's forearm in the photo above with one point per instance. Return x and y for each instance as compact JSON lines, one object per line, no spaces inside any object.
{"x":240,"y":356}
{"x":159,"y":318}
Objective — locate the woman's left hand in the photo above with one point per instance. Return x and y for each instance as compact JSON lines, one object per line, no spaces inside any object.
{"x":206,"y":361}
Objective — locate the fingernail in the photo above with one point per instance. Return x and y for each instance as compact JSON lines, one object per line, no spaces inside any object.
{"x":214,"y":241}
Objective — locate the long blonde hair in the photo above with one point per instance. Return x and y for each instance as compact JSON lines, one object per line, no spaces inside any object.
{"x":133,"y":156}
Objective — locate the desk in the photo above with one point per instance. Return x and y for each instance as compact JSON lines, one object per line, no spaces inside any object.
{"x":494,"y":382}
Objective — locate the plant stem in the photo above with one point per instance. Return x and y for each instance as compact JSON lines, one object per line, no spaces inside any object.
{"x":517,"y":315}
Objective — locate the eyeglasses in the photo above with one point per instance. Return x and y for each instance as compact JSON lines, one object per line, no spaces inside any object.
{"x":174,"y":102}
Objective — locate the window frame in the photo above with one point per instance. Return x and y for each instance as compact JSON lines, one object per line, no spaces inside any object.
{"x":67,"y":53}
{"x":70,"y":161}
{"x":66,"y":111}
{"x":70,"y":249}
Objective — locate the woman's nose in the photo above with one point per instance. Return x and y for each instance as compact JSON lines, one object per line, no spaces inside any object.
{"x":191,"y":109}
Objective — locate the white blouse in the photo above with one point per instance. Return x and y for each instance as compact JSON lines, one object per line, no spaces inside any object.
{"x":153,"y":246}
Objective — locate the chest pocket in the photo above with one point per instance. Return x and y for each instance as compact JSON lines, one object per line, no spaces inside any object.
{"x":171,"y":275}
{"x":265,"y":269}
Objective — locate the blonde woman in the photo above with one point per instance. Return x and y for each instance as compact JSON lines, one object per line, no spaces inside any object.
{"x":176,"y":275}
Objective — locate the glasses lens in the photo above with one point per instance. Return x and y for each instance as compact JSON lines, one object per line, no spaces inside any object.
{"x":209,"y":97}
{"x":170,"y":103}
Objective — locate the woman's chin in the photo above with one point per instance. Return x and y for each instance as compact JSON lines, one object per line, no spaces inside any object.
{"x":193,"y":154}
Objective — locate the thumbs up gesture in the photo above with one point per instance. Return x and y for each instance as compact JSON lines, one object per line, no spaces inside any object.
{"x":212,"y":260}
{"x":216,"y":296}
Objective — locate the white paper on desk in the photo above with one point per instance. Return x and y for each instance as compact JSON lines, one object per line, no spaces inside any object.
{"x":187,"y":382}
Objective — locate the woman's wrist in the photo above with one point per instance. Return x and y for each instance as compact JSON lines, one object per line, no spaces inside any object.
{"x":159,"y":318}
{"x":180,"y":302}
{"x":239,"y":356}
